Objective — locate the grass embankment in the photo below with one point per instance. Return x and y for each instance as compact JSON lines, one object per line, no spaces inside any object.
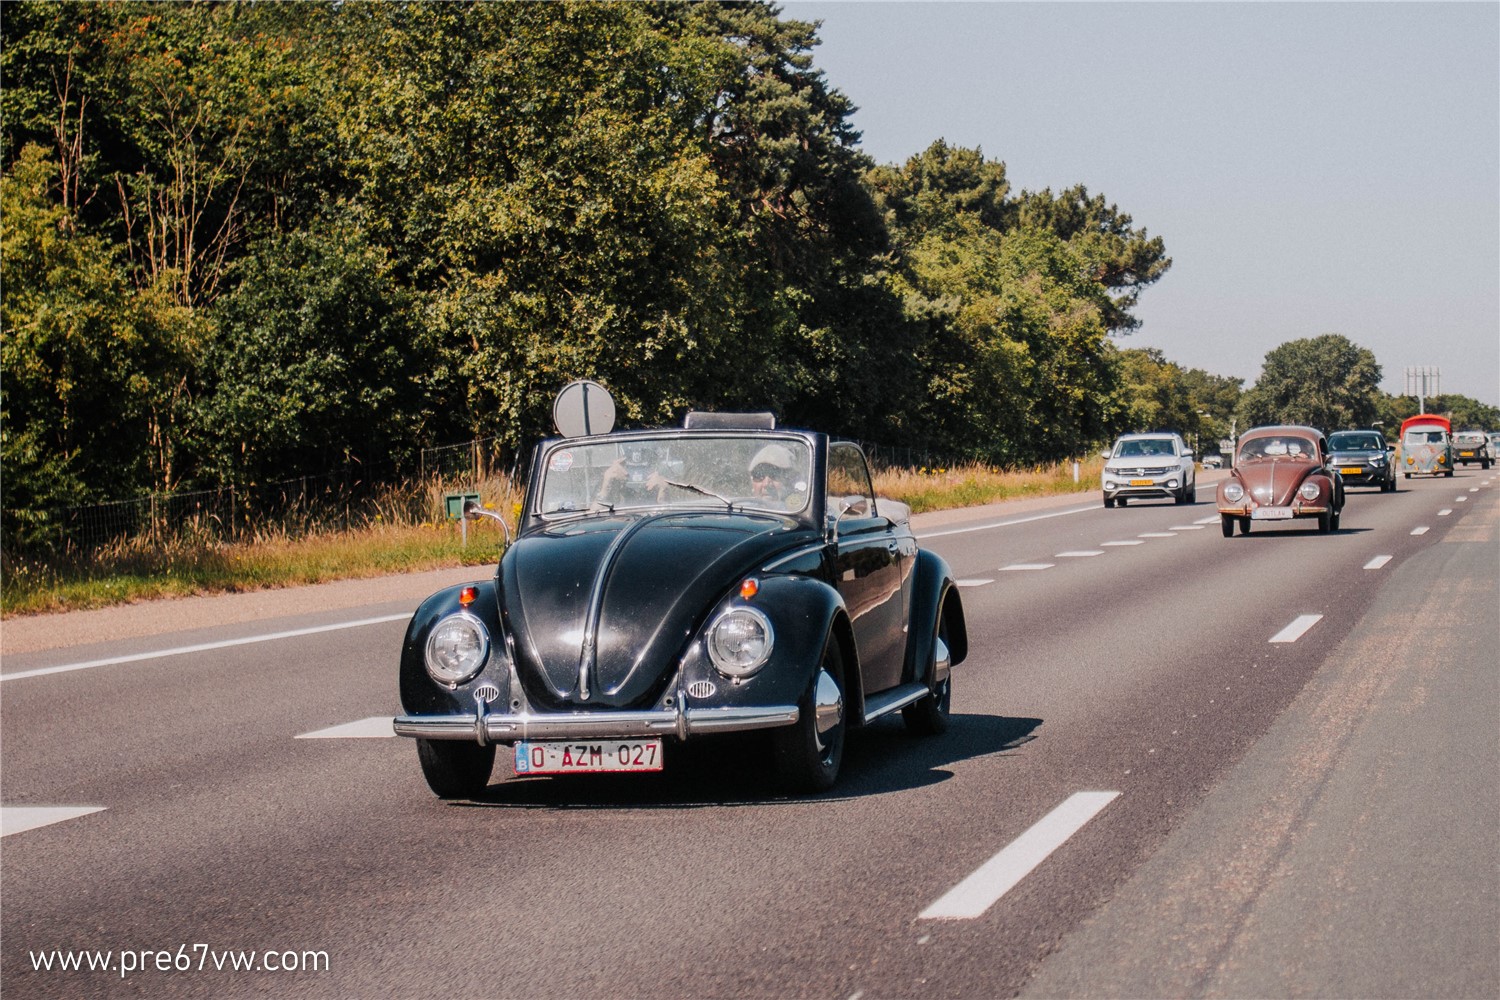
{"x":404,"y":533}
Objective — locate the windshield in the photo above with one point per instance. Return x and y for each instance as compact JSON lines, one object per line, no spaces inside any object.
{"x":1278,"y":447}
{"x":1144,"y":448}
{"x":691,"y":470}
{"x":1361,"y":441}
{"x":1424,"y":435}
{"x":1469,"y":440}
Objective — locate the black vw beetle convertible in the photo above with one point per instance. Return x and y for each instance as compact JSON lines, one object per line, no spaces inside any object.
{"x":665,"y":586}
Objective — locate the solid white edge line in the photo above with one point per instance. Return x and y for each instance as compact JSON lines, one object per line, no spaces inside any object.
{"x":1377,"y":562}
{"x":202,"y":647}
{"x":376,"y":727}
{"x":1003,"y":524}
{"x":1297,"y":629}
{"x":997,"y":876}
{"x":19,"y":819}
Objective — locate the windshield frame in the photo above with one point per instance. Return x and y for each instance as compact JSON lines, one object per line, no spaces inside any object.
{"x":1334,"y":444}
{"x":548,"y":451}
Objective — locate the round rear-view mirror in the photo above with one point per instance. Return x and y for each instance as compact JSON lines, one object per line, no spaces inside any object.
{"x":582,"y":408}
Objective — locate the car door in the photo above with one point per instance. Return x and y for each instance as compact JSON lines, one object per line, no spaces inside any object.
{"x":868,"y":568}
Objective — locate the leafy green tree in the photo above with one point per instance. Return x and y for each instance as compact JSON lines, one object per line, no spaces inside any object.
{"x":316,"y":360}
{"x":90,"y":363}
{"x":1328,"y":382}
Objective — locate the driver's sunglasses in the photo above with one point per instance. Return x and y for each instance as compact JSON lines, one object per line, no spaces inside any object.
{"x":765,"y":472}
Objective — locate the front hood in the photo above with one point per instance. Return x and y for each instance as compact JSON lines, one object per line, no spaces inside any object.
{"x":1273,"y":482}
{"x":601,"y":608}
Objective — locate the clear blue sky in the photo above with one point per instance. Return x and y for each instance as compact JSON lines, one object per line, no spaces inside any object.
{"x":1313,"y":168}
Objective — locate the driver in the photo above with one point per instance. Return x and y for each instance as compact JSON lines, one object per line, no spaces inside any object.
{"x":771,"y":472}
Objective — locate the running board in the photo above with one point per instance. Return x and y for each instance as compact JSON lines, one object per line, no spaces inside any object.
{"x":887,"y":702}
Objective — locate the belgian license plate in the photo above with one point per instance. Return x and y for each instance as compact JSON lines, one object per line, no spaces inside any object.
{"x":588,"y":758}
{"x":1352,"y":471}
{"x":1271,"y":514}
{"x":1141,"y":482}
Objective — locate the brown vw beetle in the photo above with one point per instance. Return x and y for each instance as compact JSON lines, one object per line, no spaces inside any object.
{"x":1281,"y":473}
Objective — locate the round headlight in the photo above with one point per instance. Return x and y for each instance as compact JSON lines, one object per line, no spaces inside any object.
{"x":740,"y":641}
{"x":1233,"y":492}
{"x":1309,"y":491}
{"x":457,"y":649}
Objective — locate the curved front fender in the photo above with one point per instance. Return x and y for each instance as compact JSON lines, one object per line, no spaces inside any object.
{"x":420,"y":694}
{"x":933,"y":589}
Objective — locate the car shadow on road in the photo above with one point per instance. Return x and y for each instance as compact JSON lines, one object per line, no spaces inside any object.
{"x":738,"y":770}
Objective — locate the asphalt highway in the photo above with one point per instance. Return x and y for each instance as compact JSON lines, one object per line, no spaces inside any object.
{"x":1179,"y":765}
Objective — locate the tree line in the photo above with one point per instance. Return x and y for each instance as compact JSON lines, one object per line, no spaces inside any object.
{"x":248,"y":241}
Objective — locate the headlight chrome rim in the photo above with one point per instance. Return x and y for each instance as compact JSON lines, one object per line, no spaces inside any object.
{"x":1309,"y":491}
{"x":464,"y":660}
{"x":746,"y":661}
{"x":1233,"y":492}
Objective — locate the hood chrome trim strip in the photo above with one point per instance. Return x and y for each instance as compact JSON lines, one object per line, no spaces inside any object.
{"x":588,"y":656}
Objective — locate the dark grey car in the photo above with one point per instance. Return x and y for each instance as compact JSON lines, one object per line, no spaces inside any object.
{"x":1363,"y":458}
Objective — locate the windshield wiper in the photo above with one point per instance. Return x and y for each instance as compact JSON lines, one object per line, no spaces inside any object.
{"x":691,"y":488}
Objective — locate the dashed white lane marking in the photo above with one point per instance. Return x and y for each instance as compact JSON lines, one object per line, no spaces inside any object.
{"x":1156,"y":534}
{"x":1377,"y":562}
{"x":1445,"y":512}
{"x":997,"y":876}
{"x":972,"y":583}
{"x":1297,"y":629}
{"x":1080,"y":554}
{"x":1128,"y":541}
{"x":1211,"y":519}
{"x":1025,"y":566}
{"x":1005,"y":524}
{"x":19,"y":819}
{"x":203,"y":647}
{"x":1474,"y":489}
{"x":1460,"y":499}
{"x":375,"y":727}
{"x":1420,"y":530}
{"x":1187,"y":527}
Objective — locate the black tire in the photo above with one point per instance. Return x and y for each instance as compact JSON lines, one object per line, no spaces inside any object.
{"x":456,"y":769}
{"x":1108,"y":502}
{"x":1448,"y":473}
{"x":929,"y":716}
{"x":1193,"y":492}
{"x":807,"y":760}
{"x":1325,"y":522}
{"x":1180,"y":497}
{"x":1244,"y":526}
{"x":1333,"y":522}
{"x":1226,"y":522}
{"x":1120,"y":501}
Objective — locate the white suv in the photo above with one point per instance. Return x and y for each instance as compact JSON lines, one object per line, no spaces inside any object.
{"x":1149,"y":465}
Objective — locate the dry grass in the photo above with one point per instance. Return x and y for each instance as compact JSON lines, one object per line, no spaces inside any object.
{"x":405,"y":529}
{"x":973,"y":485}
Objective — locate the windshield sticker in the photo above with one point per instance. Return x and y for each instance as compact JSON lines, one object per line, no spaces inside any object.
{"x":562,"y":461}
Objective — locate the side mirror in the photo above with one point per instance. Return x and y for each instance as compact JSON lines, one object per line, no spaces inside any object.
{"x":474,"y":512}
{"x":856,"y":505}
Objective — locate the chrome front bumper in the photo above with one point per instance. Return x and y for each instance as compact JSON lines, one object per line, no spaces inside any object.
{"x":484,"y":728}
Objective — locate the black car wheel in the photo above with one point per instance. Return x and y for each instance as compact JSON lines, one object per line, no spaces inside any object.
{"x":1226,"y":522}
{"x":929,"y":716}
{"x":1108,"y":502}
{"x":456,"y":769}
{"x":1325,"y":522}
{"x":1244,"y":526}
{"x":808,"y":753}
